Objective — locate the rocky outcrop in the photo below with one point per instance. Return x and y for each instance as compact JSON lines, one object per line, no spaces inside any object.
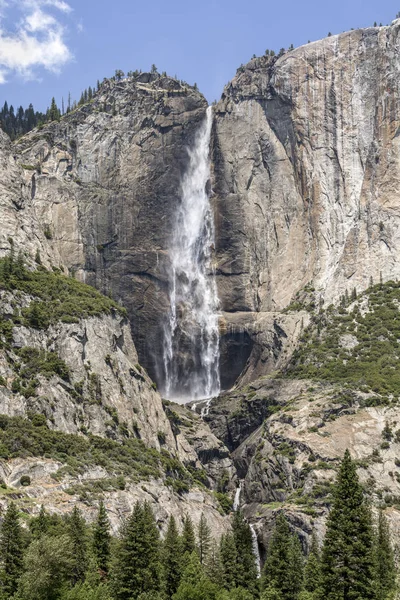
{"x":61,"y":497}
{"x":107,"y":387}
{"x":306,"y":153}
{"x":256,"y":344}
{"x":289,"y":439}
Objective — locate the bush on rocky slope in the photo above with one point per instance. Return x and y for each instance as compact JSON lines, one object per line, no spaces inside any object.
{"x":357,"y":343}
{"x":56,"y":297}
{"x":131,"y":459}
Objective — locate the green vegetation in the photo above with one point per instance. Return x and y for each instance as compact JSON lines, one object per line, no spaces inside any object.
{"x":370,"y":359}
{"x":63,"y":558}
{"x":225,"y":502}
{"x":22,"y":438}
{"x":11,"y":549}
{"x":283,"y":570}
{"x":56,"y":297}
{"x":129,"y":459}
{"x":32,"y":362}
{"x":355,"y":562}
{"x":384,"y":564}
{"x":347,"y":562}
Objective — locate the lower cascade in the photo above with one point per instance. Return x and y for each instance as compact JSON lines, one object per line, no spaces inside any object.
{"x":191,"y":336}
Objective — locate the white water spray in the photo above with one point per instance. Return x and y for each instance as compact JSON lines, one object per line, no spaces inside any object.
{"x":236,"y":502}
{"x":191,"y":336}
{"x":256,"y":551}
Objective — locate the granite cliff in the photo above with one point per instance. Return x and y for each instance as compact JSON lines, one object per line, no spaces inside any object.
{"x":306,"y":174}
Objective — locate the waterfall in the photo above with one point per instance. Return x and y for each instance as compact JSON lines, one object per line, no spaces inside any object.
{"x":236,"y":502}
{"x":256,"y":551}
{"x":191,"y":336}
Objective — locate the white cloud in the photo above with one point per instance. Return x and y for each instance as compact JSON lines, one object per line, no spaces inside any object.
{"x":39,"y":21}
{"x":38,"y":42}
{"x":59,"y":4}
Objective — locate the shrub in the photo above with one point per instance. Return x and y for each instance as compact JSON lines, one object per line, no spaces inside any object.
{"x":225,"y":502}
{"x":25,"y":480}
{"x":47,"y":232}
{"x":126,"y":460}
{"x":38,"y":420}
{"x":161,"y":437}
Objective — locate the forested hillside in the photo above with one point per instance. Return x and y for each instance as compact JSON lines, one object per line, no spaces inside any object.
{"x":63,"y":558}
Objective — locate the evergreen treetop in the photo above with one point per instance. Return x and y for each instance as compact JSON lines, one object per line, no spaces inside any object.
{"x":347,"y":557}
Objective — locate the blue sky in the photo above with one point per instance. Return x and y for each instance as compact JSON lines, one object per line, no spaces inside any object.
{"x":53,"y":47}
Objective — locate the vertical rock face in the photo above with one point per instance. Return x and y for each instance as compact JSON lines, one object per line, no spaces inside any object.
{"x":105,"y":183}
{"x":306,"y":171}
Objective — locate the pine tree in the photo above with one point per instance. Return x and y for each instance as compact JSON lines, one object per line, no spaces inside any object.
{"x":296,"y":568}
{"x":77,"y":535}
{"x":19,"y":266}
{"x":312,"y":571}
{"x":283,"y":569}
{"x":172,"y":556}
{"x":229,"y":560}
{"x":101,"y":540}
{"x":53,"y":113}
{"x":40,"y":525}
{"x":11,"y":551}
{"x":152,"y":578}
{"x":137,"y":567}
{"x":385,"y":569}
{"x":213,"y":567}
{"x":188,"y":536}
{"x":204,"y":537}
{"x":195,"y":585}
{"x":246,"y":569}
{"x":347,"y":555}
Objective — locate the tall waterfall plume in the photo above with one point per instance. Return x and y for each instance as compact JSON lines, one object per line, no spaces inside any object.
{"x":191,"y":337}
